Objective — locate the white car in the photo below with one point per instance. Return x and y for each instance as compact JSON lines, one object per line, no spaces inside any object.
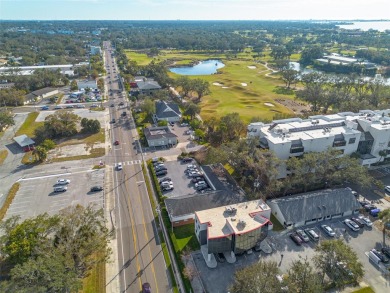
{"x":387,"y":188}
{"x":62,"y":181}
{"x":119,"y":166}
{"x":189,"y":167}
{"x":194,"y":174}
{"x":366,"y":221}
{"x":167,"y":186}
{"x":352,"y":225}
{"x":328,"y":230}
{"x":200,"y":183}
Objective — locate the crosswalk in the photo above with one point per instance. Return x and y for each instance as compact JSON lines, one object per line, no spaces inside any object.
{"x":135,"y":162}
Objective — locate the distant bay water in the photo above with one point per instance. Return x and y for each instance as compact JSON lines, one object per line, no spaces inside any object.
{"x":367,"y":25}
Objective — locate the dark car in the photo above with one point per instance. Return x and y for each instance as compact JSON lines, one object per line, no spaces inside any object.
{"x":359,"y":222}
{"x":116,"y":142}
{"x":369,"y":207}
{"x":386,"y":251}
{"x":197,"y":179}
{"x":124,"y":114}
{"x":146,"y":288}
{"x":121,"y":104}
{"x":380,"y":255}
{"x":186,"y":160}
{"x":161,"y":172}
{"x":113,"y":121}
{"x":96,"y":188}
{"x":160,"y":167}
{"x":294,"y":237}
{"x":219,"y":257}
{"x":112,"y":105}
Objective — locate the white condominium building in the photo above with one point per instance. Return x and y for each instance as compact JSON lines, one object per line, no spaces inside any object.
{"x":367,"y":133}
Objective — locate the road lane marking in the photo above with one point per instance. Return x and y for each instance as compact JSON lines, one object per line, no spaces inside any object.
{"x":53,"y":175}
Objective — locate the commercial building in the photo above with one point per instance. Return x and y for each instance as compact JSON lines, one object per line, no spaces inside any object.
{"x":337,"y":59}
{"x":232,"y":229}
{"x":66,"y":69}
{"x":96,"y":50}
{"x":83,"y":84}
{"x":160,"y":136}
{"x":167,"y":112}
{"x":366,"y":133}
{"x":40,"y":94}
{"x":143,"y":85}
{"x":312,"y":207}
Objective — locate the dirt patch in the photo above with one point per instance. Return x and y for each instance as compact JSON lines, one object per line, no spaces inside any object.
{"x":296,"y":107}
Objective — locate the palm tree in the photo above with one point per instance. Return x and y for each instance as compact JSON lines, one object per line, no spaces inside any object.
{"x":385,"y":217}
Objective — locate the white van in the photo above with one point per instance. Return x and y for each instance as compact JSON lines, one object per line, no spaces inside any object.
{"x":373,"y":257}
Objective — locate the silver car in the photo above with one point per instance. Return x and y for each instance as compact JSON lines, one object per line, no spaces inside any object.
{"x":328,"y":230}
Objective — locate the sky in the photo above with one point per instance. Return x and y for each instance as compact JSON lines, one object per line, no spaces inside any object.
{"x":193,"y":9}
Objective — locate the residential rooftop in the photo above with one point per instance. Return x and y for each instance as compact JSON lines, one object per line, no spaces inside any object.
{"x":233,"y":219}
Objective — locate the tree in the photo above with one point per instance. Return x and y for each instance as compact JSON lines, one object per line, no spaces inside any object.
{"x":90,"y":125}
{"x":259,"y":277}
{"x":12,"y":97}
{"x":289,"y":76}
{"x":6,"y":119}
{"x":233,"y":125}
{"x":279,"y":52}
{"x":73,"y":85}
{"x":162,"y":123}
{"x":148,"y":106}
{"x":309,"y":54}
{"x":192,"y":110}
{"x":48,"y":144}
{"x":201,"y":87}
{"x":61,"y":124}
{"x":339,"y":262}
{"x":40,"y":153}
{"x":301,"y":278}
{"x":385,"y":217}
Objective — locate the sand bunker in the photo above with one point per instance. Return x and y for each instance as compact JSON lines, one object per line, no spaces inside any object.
{"x":244,"y":84}
{"x":269,"y":104}
{"x":251,"y":67}
{"x":225,"y":87}
{"x":217,"y":84}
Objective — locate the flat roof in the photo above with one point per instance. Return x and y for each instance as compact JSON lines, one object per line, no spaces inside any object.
{"x":237,"y":218}
{"x":23,"y":140}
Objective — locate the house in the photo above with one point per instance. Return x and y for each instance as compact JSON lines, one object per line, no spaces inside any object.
{"x":225,"y":191}
{"x":312,"y":207}
{"x":160,"y":136}
{"x":167,"y":112}
{"x":231,"y":229}
{"x":146,"y":86}
{"x":366,"y":133}
{"x":83,"y":84}
{"x":38,"y":95}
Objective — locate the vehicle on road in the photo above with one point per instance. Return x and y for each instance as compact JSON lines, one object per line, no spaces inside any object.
{"x":352,"y":225}
{"x":80,"y":106}
{"x":328,"y":230}
{"x":60,"y":189}
{"x":58,"y":107}
{"x":112,"y":105}
{"x":113,"y":120}
{"x":45,"y":108}
{"x":96,"y":188}
{"x":146,"y":288}
{"x":116,"y":142}
{"x":365,"y":220}
{"x":124,"y":114}
{"x":69,"y":106}
{"x":302,"y":235}
{"x":62,"y":182}
{"x":380,"y":255}
{"x":312,"y":234}
{"x":121,"y":104}
{"x":119,"y":166}
{"x":294,"y":237}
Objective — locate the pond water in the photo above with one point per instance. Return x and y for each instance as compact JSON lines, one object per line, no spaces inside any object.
{"x":203,"y":68}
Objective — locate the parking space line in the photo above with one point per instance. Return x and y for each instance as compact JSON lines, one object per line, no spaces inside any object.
{"x":20,"y":202}
{"x":16,"y":208}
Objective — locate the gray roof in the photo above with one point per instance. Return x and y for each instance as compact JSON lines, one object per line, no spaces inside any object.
{"x":316,"y":204}
{"x":40,"y":92}
{"x":83,"y":84}
{"x":189,"y":204}
{"x":148,"y":85}
{"x":158,"y":132}
{"x":167,"y":110}
{"x":23,"y":140}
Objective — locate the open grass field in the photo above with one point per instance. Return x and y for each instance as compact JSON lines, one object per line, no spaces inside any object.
{"x":29,"y":125}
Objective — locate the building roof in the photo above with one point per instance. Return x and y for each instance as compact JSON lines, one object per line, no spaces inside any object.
{"x":190,"y":203}
{"x":158,"y":132}
{"x":23,"y":140}
{"x":167,"y":110}
{"x":148,"y":85}
{"x":237,"y":218}
{"x":316,"y":204}
{"x":83,"y":84}
{"x":39,"y":92}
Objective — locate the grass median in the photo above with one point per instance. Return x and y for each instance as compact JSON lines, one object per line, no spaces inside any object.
{"x":10,"y":197}
{"x":3,"y":156}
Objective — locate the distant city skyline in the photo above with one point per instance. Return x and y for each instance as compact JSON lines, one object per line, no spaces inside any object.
{"x":193,"y":9}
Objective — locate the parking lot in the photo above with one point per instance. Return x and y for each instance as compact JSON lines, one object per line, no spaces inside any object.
{"x":36,"y":195}
{"x":219,"y":279}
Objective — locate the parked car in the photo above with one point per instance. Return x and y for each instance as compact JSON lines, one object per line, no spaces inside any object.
{"x":312,"y":234}
{"x":161,"y":172}
{"x":112,"y":105}
{"x":374,"y":212}
{"x":62,"y":182}
{"x":328,"y":230}
{"x":380,"y":255}
{"x":359,"y":222}
{"x":366,"y":221}
{"x":119,"y":166}
{"x":167,"y":185}
{"x":166,"y":179}
{"x":294,"y":237}
{"x":60,"y":189}
{"x":197,"y":179}
{"x":352,"y":225}
{"x":369,"y":207}
{"x":124,"y":114}
{"x":186,"y":160}
{"x":200,"y":183}
{"x":386,"y":251}
{"x":113,"y":120}
{"x":121,"y":104}
{"x":194,"y":174}
{"x":202,"y":187}
{"x":146,"y":288}
{"x":160,"y":167}
{"x":302,"y":235}
{"x":387,"y":188}
{"x":189,"y":167}
{"x":364,"y":203}
{"x":96,"y":188}
{"x":184,"y":124}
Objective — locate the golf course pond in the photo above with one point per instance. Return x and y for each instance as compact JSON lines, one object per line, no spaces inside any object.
{"x":202,"y":68}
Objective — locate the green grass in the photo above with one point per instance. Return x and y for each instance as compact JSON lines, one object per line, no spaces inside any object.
{"x":29,"y":125}
{"x":364,"y":290}
{"x":95,"y":282}
{"x":277,"y":225}
{"x":3,"y":156}
{"x":184,"y":236}
{"x":10,"y":197}
{"x":95,"y":153}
